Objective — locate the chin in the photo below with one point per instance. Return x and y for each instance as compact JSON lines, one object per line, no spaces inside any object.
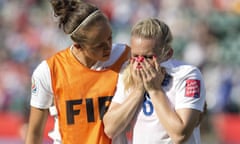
{"x":105,"y":58}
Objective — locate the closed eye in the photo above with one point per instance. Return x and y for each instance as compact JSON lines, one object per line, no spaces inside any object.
{"x":148,"y":57}
{"x":145,"y":56}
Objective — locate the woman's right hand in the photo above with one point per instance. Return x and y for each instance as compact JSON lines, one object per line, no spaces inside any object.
{"x":136,"y":74}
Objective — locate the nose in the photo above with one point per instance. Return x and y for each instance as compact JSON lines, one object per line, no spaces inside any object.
{"x":108,"y":46}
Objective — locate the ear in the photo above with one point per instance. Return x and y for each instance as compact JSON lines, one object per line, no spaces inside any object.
{"x":169,"y":54}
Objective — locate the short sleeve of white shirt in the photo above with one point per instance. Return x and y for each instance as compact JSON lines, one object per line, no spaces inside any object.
{"x":190,"y":91}
{"x":41,"y":91}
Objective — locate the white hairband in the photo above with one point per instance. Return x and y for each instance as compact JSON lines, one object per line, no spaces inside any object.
{"x":84,"y":21}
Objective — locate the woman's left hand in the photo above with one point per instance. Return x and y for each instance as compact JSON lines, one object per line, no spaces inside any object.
{"x":152,"y":74}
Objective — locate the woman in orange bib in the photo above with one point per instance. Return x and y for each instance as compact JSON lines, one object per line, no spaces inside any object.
{"x":77,"y":83}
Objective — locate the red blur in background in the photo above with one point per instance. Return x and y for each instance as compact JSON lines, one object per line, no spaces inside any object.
{"x":13,"y":127}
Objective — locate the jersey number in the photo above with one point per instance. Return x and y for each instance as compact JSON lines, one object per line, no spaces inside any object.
{"x":147,"y":107}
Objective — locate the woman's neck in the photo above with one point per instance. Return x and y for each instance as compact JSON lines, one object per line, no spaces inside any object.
{"x":82,"y":58}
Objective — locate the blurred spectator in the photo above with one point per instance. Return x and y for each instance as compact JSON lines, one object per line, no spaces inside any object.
{"x":224,"y":101}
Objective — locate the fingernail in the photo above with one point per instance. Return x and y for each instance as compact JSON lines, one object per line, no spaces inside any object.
{"x":139,"y":66}
{"x":140,"y":59}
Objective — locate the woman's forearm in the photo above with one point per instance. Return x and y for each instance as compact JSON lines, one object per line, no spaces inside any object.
{"x":36,"y":125}
{"x":119,"y":116}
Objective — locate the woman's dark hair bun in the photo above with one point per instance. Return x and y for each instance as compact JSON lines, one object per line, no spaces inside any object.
{"x":63,"y":8}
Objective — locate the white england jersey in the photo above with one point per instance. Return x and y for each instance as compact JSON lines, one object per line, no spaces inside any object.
{"x":42,"y":93}
{"x":184,"y":88}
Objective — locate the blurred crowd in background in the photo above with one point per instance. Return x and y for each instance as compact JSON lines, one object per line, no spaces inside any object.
{"x":206,"y":34}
